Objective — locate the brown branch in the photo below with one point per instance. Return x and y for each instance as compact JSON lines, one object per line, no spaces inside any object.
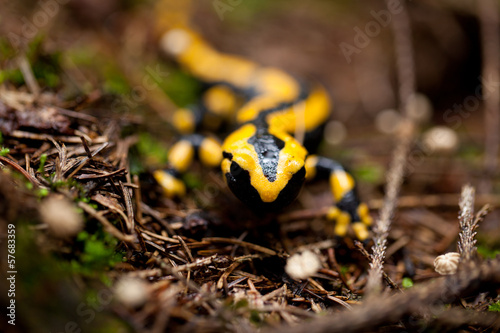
{"x":466,"y":243}
{"x":389,"y":309}
{"x":62,"y":138}
{"x":18,"y":168}
{"x":490,"y":35}
{"x":242,"y":244}
{"x":29,"y":77}
{"x":406,"y":79}
{"x":108,"y":226}
{"x":386,"y":277}
{"x":456,"y":318}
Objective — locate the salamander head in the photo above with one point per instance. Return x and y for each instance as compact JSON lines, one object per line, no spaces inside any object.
{"x":263,"y":170}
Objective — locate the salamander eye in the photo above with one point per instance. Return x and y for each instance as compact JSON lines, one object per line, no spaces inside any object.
{"x":235,"y":169}
{"x":227,"y":155}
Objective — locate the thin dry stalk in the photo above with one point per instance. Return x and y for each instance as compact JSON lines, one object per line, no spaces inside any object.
{"x":406,"y":79}
{"x":29,"y":77}
{"x":490,"y":35}
{"x":108,"y":226}
{"x":455,"y":318}
{"x":468,"y":224}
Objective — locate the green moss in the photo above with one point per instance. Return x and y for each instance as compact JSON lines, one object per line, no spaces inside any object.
{"x":241,"y":304}
{"x":148,"y":153}
{"x":47,"y":280}
{"x":372,"y":174}
{"x":182,"y":88}
{"x":470,"y":152}
{"x":155,"y":152}
{"x":243,"y":14}
{"x":255,"y":317}
{"x":6,"y":49}
{"x":46,"y":67}
{"x":4,"y":151}
{"x":115,"y":83}
{"x":192,"y":180}
{"x":487,"y":252}
{"x":42,"y":192}
{"x":407,"y":283}
{"x":82,"y":56}
{"x":12,"y":75}
{"x":98,"y":254}
{"x":495,"y":307}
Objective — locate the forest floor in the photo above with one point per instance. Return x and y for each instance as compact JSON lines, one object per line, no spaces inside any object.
{"x":82,"y":128}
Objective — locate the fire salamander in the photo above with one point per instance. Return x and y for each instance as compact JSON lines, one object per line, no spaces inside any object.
{"x":263,"y":163}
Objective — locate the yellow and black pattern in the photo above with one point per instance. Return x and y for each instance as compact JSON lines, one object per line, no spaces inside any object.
{"x":263,"y":163}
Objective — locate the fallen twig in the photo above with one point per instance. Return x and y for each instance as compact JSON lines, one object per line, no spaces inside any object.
{"x":388,"y":309}
{"x":406,"y":80}
{"x":241,"y":243}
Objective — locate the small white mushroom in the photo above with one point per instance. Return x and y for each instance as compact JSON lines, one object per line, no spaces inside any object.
{"x":175,"y":41}
{"x":440,"y":139}
{"x":447,"y":263}
{"x":132,"y":292}
{"x":302,"y":265}
{"x":61,"y":216}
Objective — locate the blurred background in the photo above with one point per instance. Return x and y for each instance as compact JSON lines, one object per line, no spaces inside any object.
{"x":96,"y":55}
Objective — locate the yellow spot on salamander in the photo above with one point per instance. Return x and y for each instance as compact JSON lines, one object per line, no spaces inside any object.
{"x":183,"y":120}
{"x":181,"y":155}
{"x":364,"y":214}
{"x":341,"y":182}
{"x":311,"y":162}
{"x":220,"y":100}
{"x":342,"y":224}
{"x":172,"y":187}
{"x":360,"y":231}
{"x":210,"y":152}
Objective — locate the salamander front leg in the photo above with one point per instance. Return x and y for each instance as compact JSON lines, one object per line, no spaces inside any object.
{"x":348,"y":211}
{"x":181,"y":156}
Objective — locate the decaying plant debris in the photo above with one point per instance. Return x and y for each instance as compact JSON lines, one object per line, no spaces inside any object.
{"x":205,"y":264}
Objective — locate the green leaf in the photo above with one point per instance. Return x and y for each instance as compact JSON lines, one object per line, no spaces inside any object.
{"x":407,"y":282}
{"x":4,"y":151}
{"x":43,"y":159}
{"x":42,"y":192}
